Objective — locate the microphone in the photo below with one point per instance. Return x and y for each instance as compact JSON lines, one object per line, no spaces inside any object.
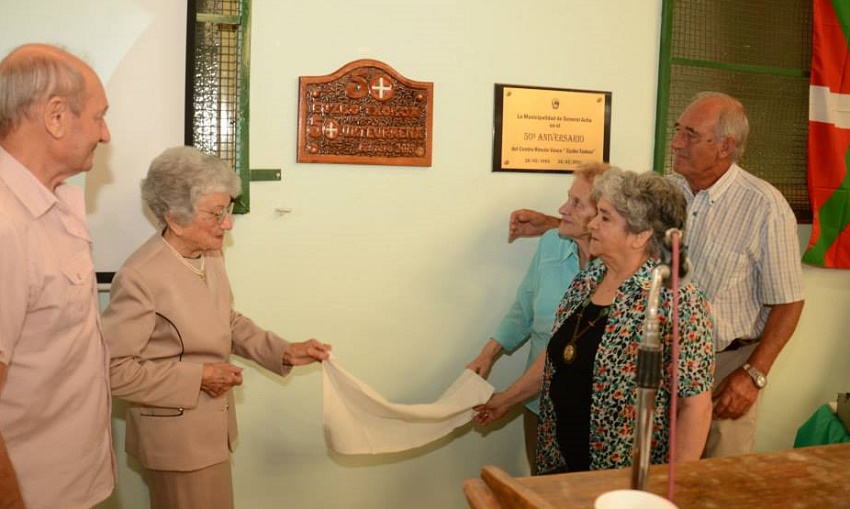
{"x":667,"y":254}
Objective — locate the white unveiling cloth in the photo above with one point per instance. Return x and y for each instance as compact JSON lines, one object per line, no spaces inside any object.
{"x":358,"y":420}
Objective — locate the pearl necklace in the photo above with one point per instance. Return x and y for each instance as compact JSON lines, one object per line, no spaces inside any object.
{"x":198,"y":271}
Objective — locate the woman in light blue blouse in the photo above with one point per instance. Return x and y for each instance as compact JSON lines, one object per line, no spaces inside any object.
{"x":587,"y":374}
{"x":560,"y":255}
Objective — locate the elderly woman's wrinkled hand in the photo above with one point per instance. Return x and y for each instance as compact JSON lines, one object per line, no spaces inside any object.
{"x":219,"y":377}
{"x":495,"y":408}
{"x":529,"y":223}
{"x":481,"y":366}
{"x":306,"y":352}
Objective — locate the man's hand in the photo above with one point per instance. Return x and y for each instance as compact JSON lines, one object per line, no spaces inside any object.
{"x":10,"y":490}
{"x":737,"y":393}
{"x":734,"y":395}
{"x":530,"y":223}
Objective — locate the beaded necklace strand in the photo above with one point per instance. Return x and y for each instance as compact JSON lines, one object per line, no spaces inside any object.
{"x":198,"y":271}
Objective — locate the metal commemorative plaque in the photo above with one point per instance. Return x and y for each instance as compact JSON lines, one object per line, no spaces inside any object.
{"x":365,"y":113}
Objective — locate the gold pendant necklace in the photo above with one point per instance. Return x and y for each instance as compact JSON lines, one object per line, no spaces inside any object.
{"x":570,"y":349}
{"x":198,"y":271}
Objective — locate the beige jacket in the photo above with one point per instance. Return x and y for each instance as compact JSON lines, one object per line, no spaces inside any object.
{"x":162,"y":324}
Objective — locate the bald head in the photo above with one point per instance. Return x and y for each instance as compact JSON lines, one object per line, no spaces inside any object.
{"x":52,"y":109}
{"x":730,"y":118}
{"x":33,"y":73}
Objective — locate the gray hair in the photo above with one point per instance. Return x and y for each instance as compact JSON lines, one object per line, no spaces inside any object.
{"x":33,"y":73}
{"x":647,"y":201}
{"x":179,"y":177}
{"x":731,"y":120}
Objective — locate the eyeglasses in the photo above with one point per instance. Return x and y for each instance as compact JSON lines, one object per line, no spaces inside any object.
{"x":221,"y":214}
{"x":691,"y":136}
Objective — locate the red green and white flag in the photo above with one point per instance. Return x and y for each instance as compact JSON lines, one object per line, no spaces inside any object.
{"x":829,"y":135}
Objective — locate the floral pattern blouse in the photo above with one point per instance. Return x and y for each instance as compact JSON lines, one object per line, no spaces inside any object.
{"x":614,"y":400}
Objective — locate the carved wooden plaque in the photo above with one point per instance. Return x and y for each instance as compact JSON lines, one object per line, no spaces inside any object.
{"x":364,"y":113}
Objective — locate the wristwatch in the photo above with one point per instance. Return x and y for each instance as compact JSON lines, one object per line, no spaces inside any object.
{"x":758,"y":377}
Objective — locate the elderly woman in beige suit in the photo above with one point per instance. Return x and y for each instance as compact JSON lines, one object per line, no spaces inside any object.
{"x":171,"y":330}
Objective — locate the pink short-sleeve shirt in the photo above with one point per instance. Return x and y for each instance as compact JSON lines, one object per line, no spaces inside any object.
{"x":55,"y":407}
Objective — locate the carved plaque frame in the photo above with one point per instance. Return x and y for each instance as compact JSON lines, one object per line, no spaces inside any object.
{"x":365,"y":113}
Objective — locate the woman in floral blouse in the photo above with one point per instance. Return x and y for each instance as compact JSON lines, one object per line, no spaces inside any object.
{"x":587,"y":375}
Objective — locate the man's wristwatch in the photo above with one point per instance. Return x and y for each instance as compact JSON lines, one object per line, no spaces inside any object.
{"x":758,"y":377}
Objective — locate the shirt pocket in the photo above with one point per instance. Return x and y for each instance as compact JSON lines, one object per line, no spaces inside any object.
{"x":78,"y":274}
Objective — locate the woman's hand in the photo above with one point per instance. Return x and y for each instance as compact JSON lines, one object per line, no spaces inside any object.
{"x":525,"y":387}
{"x":219,"y":377}
{"x":482,"y":364}
{"x":306,"y":352}
{"x":530,"y":223}
{"x":495,"y":408}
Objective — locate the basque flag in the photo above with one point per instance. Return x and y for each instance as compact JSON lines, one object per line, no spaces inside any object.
{"x":829,"y":135}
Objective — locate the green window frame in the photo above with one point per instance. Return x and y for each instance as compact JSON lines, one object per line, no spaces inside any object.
{"x":758,"y":51}
{"x":217,"y":84}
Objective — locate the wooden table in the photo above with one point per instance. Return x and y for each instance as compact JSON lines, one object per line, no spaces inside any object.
{"x":810,"y":477}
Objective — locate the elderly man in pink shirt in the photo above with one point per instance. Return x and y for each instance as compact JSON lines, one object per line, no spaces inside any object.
{"x":55,"y":443}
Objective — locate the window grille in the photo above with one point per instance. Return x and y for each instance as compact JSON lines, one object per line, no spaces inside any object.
{"x":217,"y":84}
{"x":758,"y":51}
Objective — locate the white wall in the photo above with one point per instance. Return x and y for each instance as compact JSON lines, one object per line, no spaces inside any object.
{"x":815,"y":365}
{"x":407,"y":270}
{"x":146,"y":110}
{"x":137,"y":49}
{"x":404,"y":270}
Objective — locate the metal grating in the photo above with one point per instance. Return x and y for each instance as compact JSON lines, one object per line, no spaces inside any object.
{"x":771,"y":33}
{"x":219,"y":117}
{"x":758,"y":51}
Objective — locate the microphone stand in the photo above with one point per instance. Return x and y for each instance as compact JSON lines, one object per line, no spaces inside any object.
{"x":650,"y":361}
{"x":649,"y":364}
